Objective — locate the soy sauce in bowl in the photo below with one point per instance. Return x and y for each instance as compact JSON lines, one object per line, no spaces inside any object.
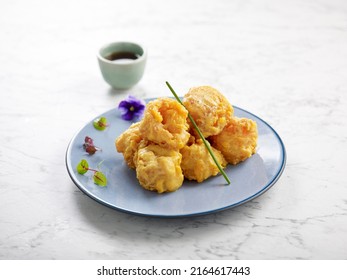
{"x":122,"y":56}
{"x":122,"y":63}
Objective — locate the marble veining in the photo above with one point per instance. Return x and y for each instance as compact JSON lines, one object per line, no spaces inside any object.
{"x":285,"y":61}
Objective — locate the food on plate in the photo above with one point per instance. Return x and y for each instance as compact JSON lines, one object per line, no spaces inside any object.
{"x":89,"y":146}
{"x":164,"y":147}
{"x":237,"y":141}
{"x":152,"y":145}
{"x":99,"y":177}
{"x":158,"y":168}
{"x":209,"y":108}
{"x":131,"y":108}
{"x":100,"y":123}
{"x":197,"y":164}
{"x":127,"y":143}
{"x":165,"y":123}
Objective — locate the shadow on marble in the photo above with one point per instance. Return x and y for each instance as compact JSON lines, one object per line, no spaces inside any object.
{"x":126,"y":226}
{"x":114,"y":92}
{"x":137,"y":90}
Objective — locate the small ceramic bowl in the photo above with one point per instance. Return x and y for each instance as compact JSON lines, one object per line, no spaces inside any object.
{"x":122,"y":64}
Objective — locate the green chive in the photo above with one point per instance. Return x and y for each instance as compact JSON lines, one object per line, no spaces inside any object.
{"x":207,"y":144}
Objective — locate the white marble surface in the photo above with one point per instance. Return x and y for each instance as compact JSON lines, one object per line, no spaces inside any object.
{"x":285,"y":61}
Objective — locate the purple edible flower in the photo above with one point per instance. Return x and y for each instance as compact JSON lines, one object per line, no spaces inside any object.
{"x":131,"y":108}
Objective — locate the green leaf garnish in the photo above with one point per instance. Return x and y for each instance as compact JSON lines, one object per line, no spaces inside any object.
{"x":100,"y":123}
{"x":82,"y":166}
{"x":207,"y":144}
{"x":100,"y":179}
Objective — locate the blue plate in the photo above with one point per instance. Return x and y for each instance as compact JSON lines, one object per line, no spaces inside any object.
{"x":249,"y":179}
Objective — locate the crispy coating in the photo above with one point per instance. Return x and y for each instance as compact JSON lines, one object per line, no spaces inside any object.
{"x":164,"y":147}
{"x":238,"y":140}
{"x":165,"y":123}
{"x":197,"y":164}
{"x":209,"y":108}
{"x":158,"y":169}
{"x":127,"y":143}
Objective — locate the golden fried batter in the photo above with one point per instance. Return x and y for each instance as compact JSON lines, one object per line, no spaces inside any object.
{"x":209,"y":108}
{"x":164,"y":147}
{"x":127,"y":143}
{"x":165,"y":123}
{"x":197,"y":164}
{"x":238,"y":140}
{"x":158,"y":169}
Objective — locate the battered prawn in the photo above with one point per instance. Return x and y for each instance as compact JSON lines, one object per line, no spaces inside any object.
{"x":165,"y":123}
{"x":237,"y":141}
{"x":209,"y":108}
{"x":158,"y":168}
{"x":127,"y":143}
{"x":197,"y":164}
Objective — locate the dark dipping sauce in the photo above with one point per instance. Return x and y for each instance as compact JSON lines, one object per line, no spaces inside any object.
{"x":122,"y":55}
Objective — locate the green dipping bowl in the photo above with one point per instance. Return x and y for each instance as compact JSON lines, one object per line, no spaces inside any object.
{"x":122,"y":64}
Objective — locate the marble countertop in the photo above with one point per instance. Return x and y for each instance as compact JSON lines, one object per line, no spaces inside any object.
{"x":285,"y":61}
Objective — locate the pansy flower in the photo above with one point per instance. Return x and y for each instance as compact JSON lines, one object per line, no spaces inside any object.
{"x":131,"y":108}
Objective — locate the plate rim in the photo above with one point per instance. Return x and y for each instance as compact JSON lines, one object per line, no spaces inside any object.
{"x":257,"y":194}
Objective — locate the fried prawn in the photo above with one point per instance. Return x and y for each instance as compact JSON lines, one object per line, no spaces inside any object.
{"x":197,"y":164}
{"x":158,"y":169}
{"x":238,"y":140}
{"x":127,"y":143}
{"x":165,"y":123}
{"x":209,"y":108}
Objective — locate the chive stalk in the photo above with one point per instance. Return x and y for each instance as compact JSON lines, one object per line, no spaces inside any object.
{"x":207,"y":144}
